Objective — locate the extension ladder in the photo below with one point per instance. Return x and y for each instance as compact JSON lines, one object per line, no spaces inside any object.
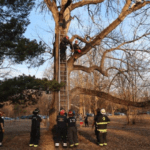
{"x":63,"y":77}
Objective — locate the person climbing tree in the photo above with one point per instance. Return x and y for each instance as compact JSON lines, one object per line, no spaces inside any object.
{"x":63,"y":47}
{"x":77,"y":49}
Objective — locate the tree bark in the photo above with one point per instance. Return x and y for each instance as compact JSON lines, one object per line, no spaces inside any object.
{"x":54,"y":106}
{"x":108,"y":97}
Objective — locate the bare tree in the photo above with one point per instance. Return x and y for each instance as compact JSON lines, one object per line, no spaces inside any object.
{"x":125,"y":24}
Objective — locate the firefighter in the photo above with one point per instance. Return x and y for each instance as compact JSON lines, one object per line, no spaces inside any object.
{"x":77,"y":49}
{"x":63,"y":47}
{"x":61,"y":129}
{"x":35,"y":128}
{"x":101,"y":121}
{"x":72,"y":130}
{"x":1,"y":128}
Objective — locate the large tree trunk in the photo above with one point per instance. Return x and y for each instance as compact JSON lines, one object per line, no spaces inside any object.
{"x":54,"y":105}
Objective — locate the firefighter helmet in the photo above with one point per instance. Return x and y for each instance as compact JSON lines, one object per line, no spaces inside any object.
{"x":62,"y":112}
{"x":67,"y":37}
{"x":79,"y":51}
{"x":36,"y":111}
{"x":70,"y":114}
{"x":103,"y":111}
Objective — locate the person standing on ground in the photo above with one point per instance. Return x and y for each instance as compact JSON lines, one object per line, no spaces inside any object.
{"x":61,"y":129}
{"x":86,"y":121}
{"x":72,"y":130}
{"x":1,"y":128}
{"x":101,"y":121}
{"x":35,"y":129}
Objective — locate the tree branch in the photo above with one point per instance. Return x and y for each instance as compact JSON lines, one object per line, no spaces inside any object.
{"x":85,"y":2}
{"x":107,"y":96}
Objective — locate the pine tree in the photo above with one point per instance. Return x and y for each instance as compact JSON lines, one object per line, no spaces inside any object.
{"x":13,"y":24}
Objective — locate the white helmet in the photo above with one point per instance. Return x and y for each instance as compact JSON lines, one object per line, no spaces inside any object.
{"x":103,"y":111}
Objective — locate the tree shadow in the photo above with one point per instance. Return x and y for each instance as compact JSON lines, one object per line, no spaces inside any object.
{"x":88,"y":136}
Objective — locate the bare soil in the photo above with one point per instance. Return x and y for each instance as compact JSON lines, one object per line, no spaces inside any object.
{"x":120,"y":136}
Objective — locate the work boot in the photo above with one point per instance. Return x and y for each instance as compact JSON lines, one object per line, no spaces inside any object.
{"x":100,"y":144}
{"x":56,"y":144}
{"x":64,"y":144}
{"x":76,"y":144}
{"x":1,"y":144}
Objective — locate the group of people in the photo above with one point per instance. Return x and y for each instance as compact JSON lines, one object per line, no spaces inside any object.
{"x":63,"y":47}
{"x":66,"y":128}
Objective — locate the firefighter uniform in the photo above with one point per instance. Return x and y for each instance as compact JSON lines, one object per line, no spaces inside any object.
{"x":76,"y":48}
{"x":1,"y":129}
{"x":101,"y":121}
{"x":61,"y":129}
{"x":35,"y":129}
{"x":63,"y":47}
{"x":72,"y":130}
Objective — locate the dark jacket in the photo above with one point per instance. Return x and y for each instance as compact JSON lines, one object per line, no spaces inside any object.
{"x":61,"y":121}
{"x":63,"y":45}
{"x":35,"y":122}
{"x":71,"y":122}
{"x":101,"y":122}
{"x":76,"y":47}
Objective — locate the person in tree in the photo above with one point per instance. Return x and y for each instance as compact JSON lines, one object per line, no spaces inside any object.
{"x":35,"y":128}
{"x":101,"y":121}
{"x":77,"y":49}
{"x":1,"y":128}
{"x":72,"y":130}
{"x":61,"y":129}
{"x":63,"y":47}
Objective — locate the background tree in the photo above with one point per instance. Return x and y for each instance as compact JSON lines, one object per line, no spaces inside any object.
{"x":14,"y":47}
{"x":26,"y":89}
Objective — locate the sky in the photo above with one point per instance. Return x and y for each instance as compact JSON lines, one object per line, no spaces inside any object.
{"x":38,"y":26}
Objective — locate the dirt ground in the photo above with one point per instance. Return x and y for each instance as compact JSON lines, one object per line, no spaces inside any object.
{"x":120,"y":136}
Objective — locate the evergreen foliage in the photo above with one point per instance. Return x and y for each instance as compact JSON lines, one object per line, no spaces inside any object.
{"x":21,"y":89}
{"x":13,"y":23}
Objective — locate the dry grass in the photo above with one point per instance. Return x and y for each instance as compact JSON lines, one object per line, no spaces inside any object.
{"x":120,"y":136}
